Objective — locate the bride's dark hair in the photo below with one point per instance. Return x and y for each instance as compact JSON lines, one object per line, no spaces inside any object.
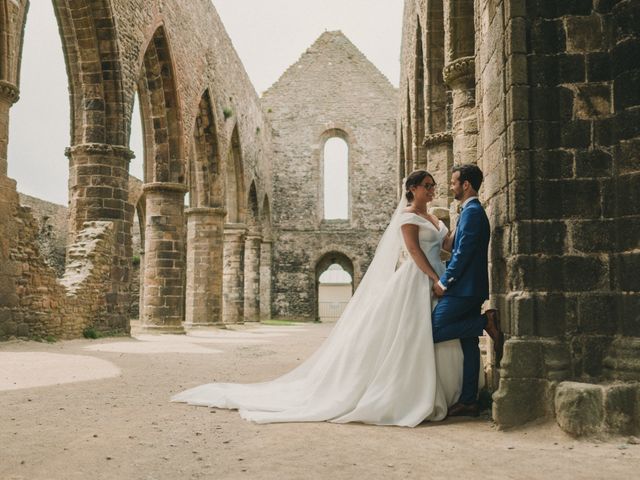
{"x":415,"y":179}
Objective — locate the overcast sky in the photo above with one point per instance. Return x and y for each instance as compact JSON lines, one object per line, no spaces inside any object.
{"x":269,"y":36}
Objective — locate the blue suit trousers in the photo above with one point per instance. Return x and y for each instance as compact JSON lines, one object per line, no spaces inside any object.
{"x":459,"y":317}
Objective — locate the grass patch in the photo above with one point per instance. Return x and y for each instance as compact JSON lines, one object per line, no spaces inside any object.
{"x":91,"y":332}
{"x":277,"y":321}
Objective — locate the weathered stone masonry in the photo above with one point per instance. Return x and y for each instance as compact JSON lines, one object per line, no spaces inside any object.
{"x":200,"y":114}
{"x":333,"y":90}
{"x":555,"y":93}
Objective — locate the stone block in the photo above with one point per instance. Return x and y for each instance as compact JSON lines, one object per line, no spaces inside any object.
{"x":593,"y":163}
{"x":552,"y":164}
{"x":579,"y":408}
{"x":627,"y":154}
{"x":592,"y":236}
{"x":583,"y":274}
{"x":519,"y":400}
{"x":598,"y":67}
{"x":592,"y":101}
{"x":557,"y":360}
{"x":23,"y":330}
{"x":584,"y":33}
{"x":598,"y":313}
{"x":626,"y":89}
{"x":629,"y":308}
{"x":575,"y":134}
{"x":554,"y":313}
{"x":547,"y":36}
{"x":622,"y":408}
{"x":625,"y":271}
{"x":522,"y":359}
{"x":628,"y":194}
{"x":625,"y":57}
{"x":571,"y":68}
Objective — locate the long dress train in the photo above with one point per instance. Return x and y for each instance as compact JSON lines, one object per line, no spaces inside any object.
{"x":378,"y":366}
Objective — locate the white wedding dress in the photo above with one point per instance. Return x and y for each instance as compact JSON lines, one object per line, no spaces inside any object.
{"x":378,"y":366}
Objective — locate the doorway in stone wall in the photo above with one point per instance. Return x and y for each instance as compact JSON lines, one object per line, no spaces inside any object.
{"x":334,"y":286}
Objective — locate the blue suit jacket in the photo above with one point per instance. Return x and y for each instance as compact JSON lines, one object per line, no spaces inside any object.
{"x":467,"y":273}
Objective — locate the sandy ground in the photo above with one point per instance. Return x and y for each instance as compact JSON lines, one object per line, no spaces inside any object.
{"x":56,"y":424}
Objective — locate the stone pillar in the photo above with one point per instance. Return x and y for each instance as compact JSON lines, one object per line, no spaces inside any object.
{"x":459,"y":74}
{"x":265,"y":280}
{"x":205,"y":227}
{"x":439,"y":152}
{"x":163,"y":302}
{"x":252,"y":248}
{"x":9,"y":94}
{"x":98,"y":191}
{"x":233,"y":273}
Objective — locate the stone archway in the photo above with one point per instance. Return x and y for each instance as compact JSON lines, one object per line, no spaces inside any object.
{"x":322,"y":265}
{"x":165,"y":186}
{"x":235,"y":231}
{"x":252,"y":247}
{"x":266,"y":249}
{"x":419,"y":103}
{"x":205,"y":222}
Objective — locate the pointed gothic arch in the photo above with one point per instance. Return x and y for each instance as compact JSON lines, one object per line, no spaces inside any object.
{"x":205,"y":173}
{"x":419,"y":102}
{"x":89,"y":40}
{"x":234,"y":181}
{"x":436,"y":91}
{"x":159,"y":104}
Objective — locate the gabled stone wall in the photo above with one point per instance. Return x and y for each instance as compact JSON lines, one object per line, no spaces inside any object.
{"x":332,"y":90}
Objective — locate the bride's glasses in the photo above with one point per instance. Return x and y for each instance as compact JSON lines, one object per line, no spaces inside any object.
{"x":429,"y":186}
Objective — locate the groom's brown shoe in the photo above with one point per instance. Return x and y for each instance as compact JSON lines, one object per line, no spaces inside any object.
{"x":463,"y":410}
{"x":494,"y":331}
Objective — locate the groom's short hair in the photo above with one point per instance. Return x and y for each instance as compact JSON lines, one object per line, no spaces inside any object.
{"x":470,"y":173}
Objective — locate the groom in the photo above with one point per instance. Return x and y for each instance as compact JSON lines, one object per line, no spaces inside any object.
{"x":464,"y":286}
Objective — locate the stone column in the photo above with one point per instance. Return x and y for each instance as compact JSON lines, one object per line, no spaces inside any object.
{"x":98,"y":191}
{"x":252,"y":247}
{"x":459,"y":74}
{"x":440,"y":155}
{"x":233,"y":273}
{"x":9,"y":94}
{"x":163,"y":303}
{"x":265,"y":280}
{"x":205,"y":227}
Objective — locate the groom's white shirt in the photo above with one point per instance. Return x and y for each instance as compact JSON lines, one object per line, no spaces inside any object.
{"x":461,"y":207}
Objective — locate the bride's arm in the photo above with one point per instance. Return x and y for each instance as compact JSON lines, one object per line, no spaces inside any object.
{"x":447,"y":242}
{"x":410,"y":235}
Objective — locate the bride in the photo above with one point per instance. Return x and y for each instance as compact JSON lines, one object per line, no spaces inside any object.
{"x":379,"y":365}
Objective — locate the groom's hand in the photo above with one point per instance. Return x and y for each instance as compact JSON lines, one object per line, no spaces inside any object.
{"x":437,"y":290}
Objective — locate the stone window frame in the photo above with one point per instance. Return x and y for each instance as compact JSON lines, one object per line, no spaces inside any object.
{"x":327,"y":134}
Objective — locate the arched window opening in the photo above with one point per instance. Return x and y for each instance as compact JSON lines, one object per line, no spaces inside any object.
{"x":40,"y":167}
{"x":336,"y":179}
{"x":334,"y":292}
{"x":136,"y":141}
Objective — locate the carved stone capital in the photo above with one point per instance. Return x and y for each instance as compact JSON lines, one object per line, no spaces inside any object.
{"x":99,"y":149}
{"x":9,"y":91}
{"x":206,"y":211}
{"x":460,"y":71}
{"x":165,"y":187}
{"x":432,"y":139}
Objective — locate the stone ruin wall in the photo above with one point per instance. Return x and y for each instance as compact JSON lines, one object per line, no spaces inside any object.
{"x":554,"y":87}
{"x":36,"y":303}
{"x":185,"y":50}
{"x":332,"y":89}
